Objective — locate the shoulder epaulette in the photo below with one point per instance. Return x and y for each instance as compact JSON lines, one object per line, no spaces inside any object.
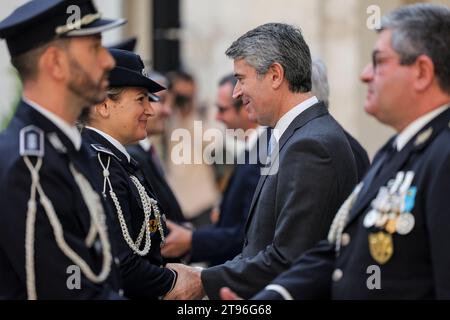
{"x":31,"y":142}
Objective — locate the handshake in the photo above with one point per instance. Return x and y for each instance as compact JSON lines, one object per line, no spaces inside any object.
{"x":188,"y":285}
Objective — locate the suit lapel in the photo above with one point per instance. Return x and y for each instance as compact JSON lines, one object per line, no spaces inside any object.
{"x":309,"y":114}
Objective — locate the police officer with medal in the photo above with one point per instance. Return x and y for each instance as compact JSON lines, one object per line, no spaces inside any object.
{"x":53,"y":223}
{"x":391,"y":237}
{"x":139,"y":221}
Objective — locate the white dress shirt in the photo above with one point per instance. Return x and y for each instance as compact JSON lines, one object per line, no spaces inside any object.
{"x":289,"y":116}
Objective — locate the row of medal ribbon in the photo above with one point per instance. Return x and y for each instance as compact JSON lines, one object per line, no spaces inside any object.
{"x":391,"y":209}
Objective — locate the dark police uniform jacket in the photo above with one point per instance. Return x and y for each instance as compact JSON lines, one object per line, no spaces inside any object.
{"x":51,"y":265}
{"x":143,"y":277}
{"x":420,"y":262}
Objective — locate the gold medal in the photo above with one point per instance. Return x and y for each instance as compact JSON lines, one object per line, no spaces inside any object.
{"x":381,"y":246}
{"x":391,"y":226}
{"x":152,"y":225}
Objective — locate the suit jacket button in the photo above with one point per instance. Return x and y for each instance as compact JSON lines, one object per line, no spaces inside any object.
{"x":121,"y":292}
{"x":337,"y":275}
{"x":117,"y":261}
{"x":345,"y":240}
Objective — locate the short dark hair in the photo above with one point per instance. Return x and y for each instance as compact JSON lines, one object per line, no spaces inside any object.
{"x":231,"y":79}
{"x":173,"y":76}
{"x":26,"y":63}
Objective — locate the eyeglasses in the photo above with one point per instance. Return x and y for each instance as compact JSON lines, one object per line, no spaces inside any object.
{"x":378,"y":59}
{"x":181,"y":100}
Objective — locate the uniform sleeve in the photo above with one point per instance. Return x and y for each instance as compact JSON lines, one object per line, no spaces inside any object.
{"x":308,"y":278}
{"x":438,"y":219}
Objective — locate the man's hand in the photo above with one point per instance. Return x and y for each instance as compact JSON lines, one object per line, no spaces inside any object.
{"x":178,"y":241}
{"x":189,"y":284}
{"x":228,"y":294}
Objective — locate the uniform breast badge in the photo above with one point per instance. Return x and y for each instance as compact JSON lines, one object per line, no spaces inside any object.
{"x":381,"y":246}
{"x":390,"y":213}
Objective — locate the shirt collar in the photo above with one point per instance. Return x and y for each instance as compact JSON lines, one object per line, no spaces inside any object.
{"x":70,"y":131}
{"x":289,"y":116}
{"x":145,"y":144}
{"x":113,"y":141}
{"x":410,"y":131}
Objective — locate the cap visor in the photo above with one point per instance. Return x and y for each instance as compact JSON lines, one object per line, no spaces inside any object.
{"x":96,"y":27}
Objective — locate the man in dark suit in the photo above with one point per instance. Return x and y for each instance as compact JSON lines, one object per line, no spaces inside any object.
{"x":54,"y":242}
{"x":391,"y":238}
{"x":321,"y":89}
{"x":311,"y":168}
{"x":223,"y":241}
{"x":146,"y":155}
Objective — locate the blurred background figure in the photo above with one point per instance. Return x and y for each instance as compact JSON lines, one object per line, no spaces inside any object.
{"x":194,"y":184}
{"x":321,"y":89}
{"x":224,"y":240}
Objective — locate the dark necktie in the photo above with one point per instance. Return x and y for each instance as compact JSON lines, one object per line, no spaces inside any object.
{"x":377,"y":167}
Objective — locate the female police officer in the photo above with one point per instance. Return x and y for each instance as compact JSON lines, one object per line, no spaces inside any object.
{"x":140,"y":227}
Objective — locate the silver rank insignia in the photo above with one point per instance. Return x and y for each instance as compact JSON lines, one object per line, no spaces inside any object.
{"x":32,"y":142}
{"x":423,"y":137}
{"x":102,"y":149}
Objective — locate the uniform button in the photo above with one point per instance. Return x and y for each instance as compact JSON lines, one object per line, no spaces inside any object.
{"x":337,"y":275}
{"x":345,"y":240}
{"x":117,"y":261}
{"x":121,"y":292}
{"x":98,"y":246}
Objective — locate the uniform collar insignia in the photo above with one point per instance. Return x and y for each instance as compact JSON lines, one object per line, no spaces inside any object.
{"x":32,"y":142}
{"x":103,"y":149}
{"x":423,"y":137}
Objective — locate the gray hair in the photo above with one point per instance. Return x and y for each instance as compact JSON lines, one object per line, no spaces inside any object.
{"x":319,"y":79}
{"x":276,"y":42}
{"x":422,"y":29}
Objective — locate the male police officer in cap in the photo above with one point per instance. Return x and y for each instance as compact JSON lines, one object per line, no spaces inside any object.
{"x":391,"y":238}
{"x":53,"y":222}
